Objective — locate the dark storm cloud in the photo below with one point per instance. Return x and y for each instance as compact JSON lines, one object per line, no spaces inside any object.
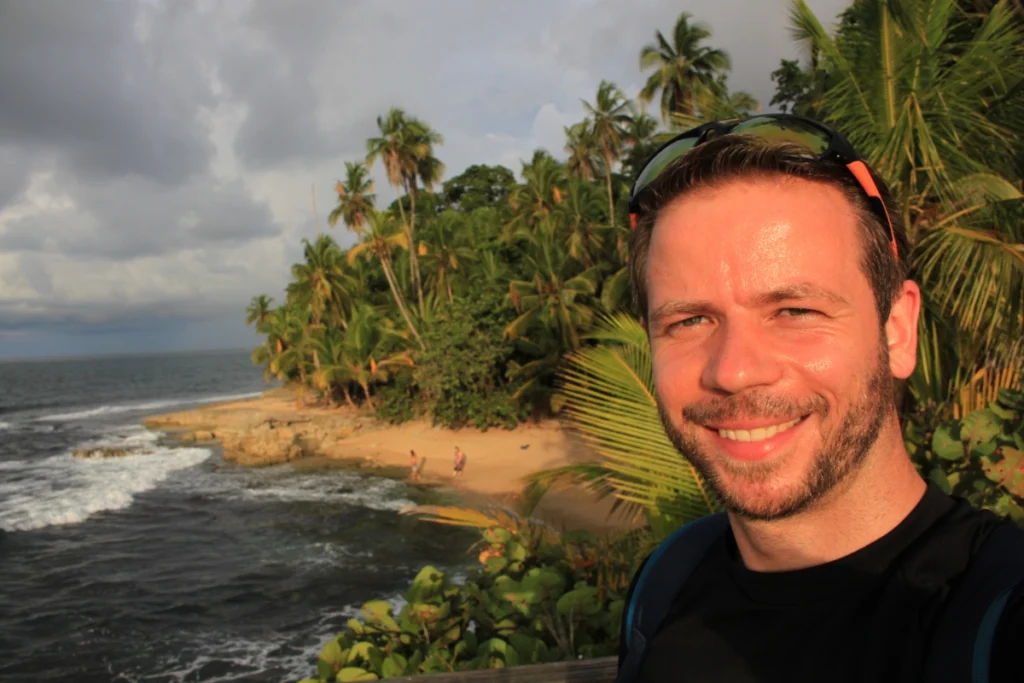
{"x":131,"y":218}
{"x":270,"y":68}
{"x":76,"y":77}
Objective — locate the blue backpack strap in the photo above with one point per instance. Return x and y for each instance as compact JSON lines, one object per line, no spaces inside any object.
{"x":962,"y":645}
{"x":658,"y":584}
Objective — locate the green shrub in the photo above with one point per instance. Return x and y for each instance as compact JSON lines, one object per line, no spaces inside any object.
{"x":460,"y":380}
{"x":536,"y":597}
{"x":979,"y":457}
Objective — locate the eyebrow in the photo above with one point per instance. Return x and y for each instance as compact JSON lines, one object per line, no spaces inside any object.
{"x":799,"y":291}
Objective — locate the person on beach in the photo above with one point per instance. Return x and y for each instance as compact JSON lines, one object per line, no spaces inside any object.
{"x":415,"y":466}
{"x":460,"y":462}
{"x":771,"y":271}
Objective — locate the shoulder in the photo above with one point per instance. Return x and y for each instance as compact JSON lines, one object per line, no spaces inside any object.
{"x":1009,"y":640}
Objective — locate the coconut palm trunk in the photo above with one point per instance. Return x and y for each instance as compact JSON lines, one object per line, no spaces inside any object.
{"x":414,"y":262}
{"x":389,"y":273}
{"x":608,"y":160}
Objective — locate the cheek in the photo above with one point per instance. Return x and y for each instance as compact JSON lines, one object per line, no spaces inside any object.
{"x":832,"y":366}
{"x":676,"y":375}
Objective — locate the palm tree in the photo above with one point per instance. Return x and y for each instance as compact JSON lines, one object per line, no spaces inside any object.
{"x":382,"y":237}
{"x":332,"y":373}
{"x":714,"y":102}
{"x":370,"y":351}
{"x":939,"y":115}
{"x":320,"y":282}
{"x":611,"y":118}
{"x":535,"y":200}
{"x":641,"y":141}
{"x":680,"y":66}
{"x":405,"y":147}
{"x":584,"y":153}
{"x":449,"y":250}
{"x":355,"y":197}
{"x":286,"y":352}
{"x":579,"y":215}
{"x":429,"y":171}
{"x":258,"y":311}
{"x":555,"y":297}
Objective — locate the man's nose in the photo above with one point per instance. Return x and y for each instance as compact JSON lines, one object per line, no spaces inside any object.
{"x":741,"y":357}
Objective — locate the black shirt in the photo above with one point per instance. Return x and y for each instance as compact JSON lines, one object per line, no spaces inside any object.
{"x":867,"y":617}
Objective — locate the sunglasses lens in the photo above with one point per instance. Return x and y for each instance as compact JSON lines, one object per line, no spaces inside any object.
{"x":662,"y":159}
{"x":786,"y":130}
{"x":771,"y":128}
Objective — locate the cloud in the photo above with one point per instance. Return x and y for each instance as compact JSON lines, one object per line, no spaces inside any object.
{"x":157,"y":156}
{"x":78,"y":78}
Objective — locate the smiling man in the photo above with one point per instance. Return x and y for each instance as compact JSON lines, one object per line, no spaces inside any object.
{"x":773,"y":283}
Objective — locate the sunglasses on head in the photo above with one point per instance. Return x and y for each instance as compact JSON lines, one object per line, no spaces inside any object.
{"x":825,"y":143}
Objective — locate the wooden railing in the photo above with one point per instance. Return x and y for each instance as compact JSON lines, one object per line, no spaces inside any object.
{"x":600,"y":670}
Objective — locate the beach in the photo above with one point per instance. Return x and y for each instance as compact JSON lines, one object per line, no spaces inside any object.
{"x":272,"y":429}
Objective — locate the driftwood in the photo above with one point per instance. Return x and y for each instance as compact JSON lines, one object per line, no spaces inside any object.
{"x":600,"y":670}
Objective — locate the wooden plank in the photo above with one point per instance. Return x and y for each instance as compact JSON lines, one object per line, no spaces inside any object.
{"x":601,"y":670}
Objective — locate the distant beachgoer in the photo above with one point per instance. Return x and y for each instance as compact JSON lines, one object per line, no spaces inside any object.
{"x":460,"y":462}
{"x":415,"y":466}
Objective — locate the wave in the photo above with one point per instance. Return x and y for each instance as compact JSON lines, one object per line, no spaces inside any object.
{"x":4,"y":426}
{"x":62,"y":489}
{"x":373,"y":493}
{"x":135,"y":407}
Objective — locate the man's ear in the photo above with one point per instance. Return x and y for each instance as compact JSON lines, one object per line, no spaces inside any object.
{"x":901,"y":330}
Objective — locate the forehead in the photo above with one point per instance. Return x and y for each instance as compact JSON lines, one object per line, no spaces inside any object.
{"x":751,"y":235}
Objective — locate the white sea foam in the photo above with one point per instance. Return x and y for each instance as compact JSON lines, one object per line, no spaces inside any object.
{"x":373,"y":493}
{"x":273,"y":651}
{"x":4,"y":426}
{"x":139,"y":407}
{"x":65,"y":490}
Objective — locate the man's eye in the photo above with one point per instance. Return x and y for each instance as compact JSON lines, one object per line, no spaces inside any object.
{"x":692,"y":321}
{"x":797,"y":312}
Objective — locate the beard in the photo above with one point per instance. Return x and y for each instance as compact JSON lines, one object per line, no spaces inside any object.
{"x":843,"y":449}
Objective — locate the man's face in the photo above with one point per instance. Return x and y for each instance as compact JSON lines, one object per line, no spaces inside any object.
{"x":770,"y":365}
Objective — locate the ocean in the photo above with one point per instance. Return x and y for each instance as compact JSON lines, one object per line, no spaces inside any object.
{"x":171,"y":564}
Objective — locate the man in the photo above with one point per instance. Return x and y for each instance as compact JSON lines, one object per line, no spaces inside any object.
{"x":770,"y":270}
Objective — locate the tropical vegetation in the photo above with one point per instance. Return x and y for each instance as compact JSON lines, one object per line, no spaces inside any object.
{"x":497,"y":296}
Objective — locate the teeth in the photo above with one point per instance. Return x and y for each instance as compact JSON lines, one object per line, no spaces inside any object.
{"x":759,"y":434}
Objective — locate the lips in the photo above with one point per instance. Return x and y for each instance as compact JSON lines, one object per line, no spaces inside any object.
{"x":757,"y":443}
{"x":759,"y":433}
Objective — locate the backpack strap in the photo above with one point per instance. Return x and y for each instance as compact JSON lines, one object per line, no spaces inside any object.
{"x":659,"y":582}
{"x":962,"y":645}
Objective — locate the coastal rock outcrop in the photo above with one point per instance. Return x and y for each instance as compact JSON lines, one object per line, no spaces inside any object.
{"x":260,"y":447}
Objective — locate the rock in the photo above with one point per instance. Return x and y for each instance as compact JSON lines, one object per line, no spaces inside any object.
{"x":202,"y":436}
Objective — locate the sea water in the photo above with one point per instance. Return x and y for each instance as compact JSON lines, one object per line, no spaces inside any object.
{"x":170,"y":564}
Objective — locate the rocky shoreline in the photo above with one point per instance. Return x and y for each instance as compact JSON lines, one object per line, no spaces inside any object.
{"x":273,"y":430}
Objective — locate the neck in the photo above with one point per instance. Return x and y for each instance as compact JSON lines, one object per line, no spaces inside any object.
{"x":867,"y":505}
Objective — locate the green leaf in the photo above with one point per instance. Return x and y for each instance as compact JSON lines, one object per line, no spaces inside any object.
{"x":979,"y":427}
{"x":362,"y":650}
{"x":945,"y":446}
{"x":355,"y":674}
{"x":938,"y":477}
{"x":580,"y":602}
{"x":532,"y":650}
{"x":394,"y":665}
{"x":378,"y":613}
{"x":1005,"y":414}
{"x":1006,"y":468}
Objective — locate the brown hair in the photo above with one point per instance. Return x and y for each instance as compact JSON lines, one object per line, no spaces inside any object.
{"x":743,"y":156}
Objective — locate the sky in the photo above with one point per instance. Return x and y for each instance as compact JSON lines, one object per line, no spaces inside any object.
{"x":159,"y":158}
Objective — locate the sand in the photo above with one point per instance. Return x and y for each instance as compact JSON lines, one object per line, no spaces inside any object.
{"x":497,"y":460}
